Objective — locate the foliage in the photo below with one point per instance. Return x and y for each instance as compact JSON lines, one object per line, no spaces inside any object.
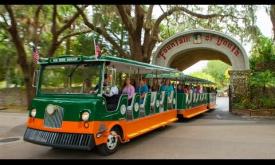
{"x":130,"y":31}
{"x":203,"y":75}
{"x":261,"y":95}
{"x":263,"y":79}
{"x":263,"y":51}
{"x":140,"y":31}
{"x":267,"y":102}
{"x":9,"y":73}
{"x":239,"y":21}
{"x":219,"y":71}
{"x":215,"y":71}
{"x":257,"y":102}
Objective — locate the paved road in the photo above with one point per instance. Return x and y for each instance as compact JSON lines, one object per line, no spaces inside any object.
{"x":213,"y":135}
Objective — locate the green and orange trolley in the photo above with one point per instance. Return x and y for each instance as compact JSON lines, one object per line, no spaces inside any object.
{"x":63,"y":115}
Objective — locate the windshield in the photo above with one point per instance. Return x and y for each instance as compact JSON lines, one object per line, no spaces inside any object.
{"x":71,"y":79}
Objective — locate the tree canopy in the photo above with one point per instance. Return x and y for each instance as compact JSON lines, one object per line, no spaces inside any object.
{"x":129,"y":31}
{"x":215,"y":71}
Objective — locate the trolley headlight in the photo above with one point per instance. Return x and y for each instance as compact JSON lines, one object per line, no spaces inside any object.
{"x":33,"y":112}
{"x":51,"y":109}
{"x":85,"y":116}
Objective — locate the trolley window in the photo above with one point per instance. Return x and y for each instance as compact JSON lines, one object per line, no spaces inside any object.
{"x":71,"y":79}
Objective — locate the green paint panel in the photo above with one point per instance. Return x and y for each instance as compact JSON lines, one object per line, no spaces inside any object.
{"x":148,"y":104}
{"x":165,"y":102}
{"x":72,"y":106}
{"x":158,"y":99}
{"x":106,"y":115}
{"x":181,"y":98}
{"x":136,"y":113}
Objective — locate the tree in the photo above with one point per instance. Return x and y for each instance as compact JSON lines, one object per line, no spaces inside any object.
{"x":8,"y":60}
{"x":263,"y":54}
{"x":203,"y":75}
{"x":219,"y":71}
{"x":263,"y":79}
{"x":131,"y":31}
{"x":25,"y":25}
{"x":143,"y":30}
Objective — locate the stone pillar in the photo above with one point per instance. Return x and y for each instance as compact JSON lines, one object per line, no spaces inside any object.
{"x":238,"y":86}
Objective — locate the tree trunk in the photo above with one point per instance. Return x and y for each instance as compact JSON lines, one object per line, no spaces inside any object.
{"x":22,"y":60}
{"x":30,"y":92}
{"x":135,"y":48}
{"x":28,"y":73}
{"x":53,"y":47}
{"x":7,"y":77}
{"x":136,"y":52}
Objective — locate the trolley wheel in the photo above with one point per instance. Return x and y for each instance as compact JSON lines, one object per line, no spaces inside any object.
{"x":180,"y":118}
{"x":112,"y":144}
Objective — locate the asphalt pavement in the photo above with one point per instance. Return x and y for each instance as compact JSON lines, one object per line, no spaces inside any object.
{"x":213,"y":135}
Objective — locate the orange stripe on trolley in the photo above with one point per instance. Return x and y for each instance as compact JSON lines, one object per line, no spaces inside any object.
{"x":76,"y":127}
{"x":130,"y":128}
{"x":67,"y":126}
{"x":134,"y":128}
{"x":188,"y":113}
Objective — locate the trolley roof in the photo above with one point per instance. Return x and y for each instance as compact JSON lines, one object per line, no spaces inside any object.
{"x":179,"y":76}
{"x":116,"y":62}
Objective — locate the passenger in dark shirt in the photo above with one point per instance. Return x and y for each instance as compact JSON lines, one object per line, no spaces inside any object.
{"x":180,"y":88}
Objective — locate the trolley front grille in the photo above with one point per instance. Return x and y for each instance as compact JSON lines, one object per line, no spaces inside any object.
{"x":60,"y":140}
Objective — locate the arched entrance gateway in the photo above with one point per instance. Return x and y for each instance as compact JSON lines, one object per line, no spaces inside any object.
{"x":185,"y":49}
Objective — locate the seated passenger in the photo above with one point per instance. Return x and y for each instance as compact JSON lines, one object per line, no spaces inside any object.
{"x":191,"y":90}
{"x":149,"y":87}
{"x":128,"y":89}
{"x":110,"y":93}
{"x":109,"y":90}
{"x":186,"y":89}
{"x":180,"y":89}
{"x":143,"y":88}
{"x":167,"y":87}
{"x":197,"y":89}
{"x":155,"y":86}
{"x":87,"y":86}
{"x":136,"y":85}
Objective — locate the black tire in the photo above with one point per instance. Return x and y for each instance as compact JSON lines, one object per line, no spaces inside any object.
{"x":110,"y":148}
{"x":180,"y":118}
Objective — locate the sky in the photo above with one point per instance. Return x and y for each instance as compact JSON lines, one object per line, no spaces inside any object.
{"x":263,"y":22}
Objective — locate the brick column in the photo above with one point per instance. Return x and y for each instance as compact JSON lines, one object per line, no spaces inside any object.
{"x":238,"y":86}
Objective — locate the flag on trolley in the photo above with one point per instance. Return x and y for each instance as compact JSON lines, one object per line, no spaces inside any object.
{"x":35,"y":55}
{"x":97,"y":50}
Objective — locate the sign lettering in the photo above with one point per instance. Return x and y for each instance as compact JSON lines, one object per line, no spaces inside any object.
{"x":66,"y":59}
{"x":200,"y":39}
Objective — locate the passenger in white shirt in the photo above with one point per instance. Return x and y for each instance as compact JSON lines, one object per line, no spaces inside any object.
{"x":109,"y":90}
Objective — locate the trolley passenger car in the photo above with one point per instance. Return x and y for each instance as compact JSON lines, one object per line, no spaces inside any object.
{"x":74,"y":109}
{"x":191,"y":102}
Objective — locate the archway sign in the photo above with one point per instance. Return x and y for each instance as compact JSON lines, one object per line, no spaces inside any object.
{"x":185,"y":49}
